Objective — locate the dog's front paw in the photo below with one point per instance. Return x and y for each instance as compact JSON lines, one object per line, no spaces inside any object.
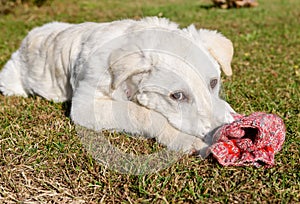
{"x":190,"y":145}
{"x":179,"y":141}
{"x":199,"y":148}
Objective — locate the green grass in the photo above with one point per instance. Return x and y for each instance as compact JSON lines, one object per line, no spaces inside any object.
{"x":42,"y":159}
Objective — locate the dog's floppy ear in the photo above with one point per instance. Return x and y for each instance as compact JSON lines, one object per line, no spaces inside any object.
{"x":219,"y":47}
{"x":128,"y":67}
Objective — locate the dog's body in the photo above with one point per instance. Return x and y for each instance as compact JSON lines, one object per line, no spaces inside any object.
{"x":123,"y":76}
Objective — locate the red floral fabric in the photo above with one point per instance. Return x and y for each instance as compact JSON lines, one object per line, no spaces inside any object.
{"x":249,"y":140}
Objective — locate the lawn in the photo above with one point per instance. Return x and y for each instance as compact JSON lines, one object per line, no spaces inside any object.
{"x":42,"y":159}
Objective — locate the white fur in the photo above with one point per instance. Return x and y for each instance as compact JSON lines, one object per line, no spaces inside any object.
{"x":119,"y":76}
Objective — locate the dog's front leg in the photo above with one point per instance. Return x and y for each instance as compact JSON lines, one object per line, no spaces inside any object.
{"x":100,"y":114}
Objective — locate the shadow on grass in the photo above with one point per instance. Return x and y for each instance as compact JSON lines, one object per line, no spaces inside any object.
{"x":67,"y":108}
{"x":207,"y":6}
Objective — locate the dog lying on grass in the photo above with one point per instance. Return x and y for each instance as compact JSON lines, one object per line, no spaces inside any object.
{"x":144,"y":77}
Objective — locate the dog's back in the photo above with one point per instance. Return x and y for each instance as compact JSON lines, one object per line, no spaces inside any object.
{"x":48,"y":56}
{"x":42,"y":64}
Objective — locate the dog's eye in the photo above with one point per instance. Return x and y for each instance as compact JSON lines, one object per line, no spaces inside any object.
{"x":178,"y":96}
{"x":213,"y":83}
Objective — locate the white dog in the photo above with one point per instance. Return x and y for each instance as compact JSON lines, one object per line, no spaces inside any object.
{"x":147,"y":77}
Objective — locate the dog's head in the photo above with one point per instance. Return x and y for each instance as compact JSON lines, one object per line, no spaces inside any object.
{"x":183,"y":86}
